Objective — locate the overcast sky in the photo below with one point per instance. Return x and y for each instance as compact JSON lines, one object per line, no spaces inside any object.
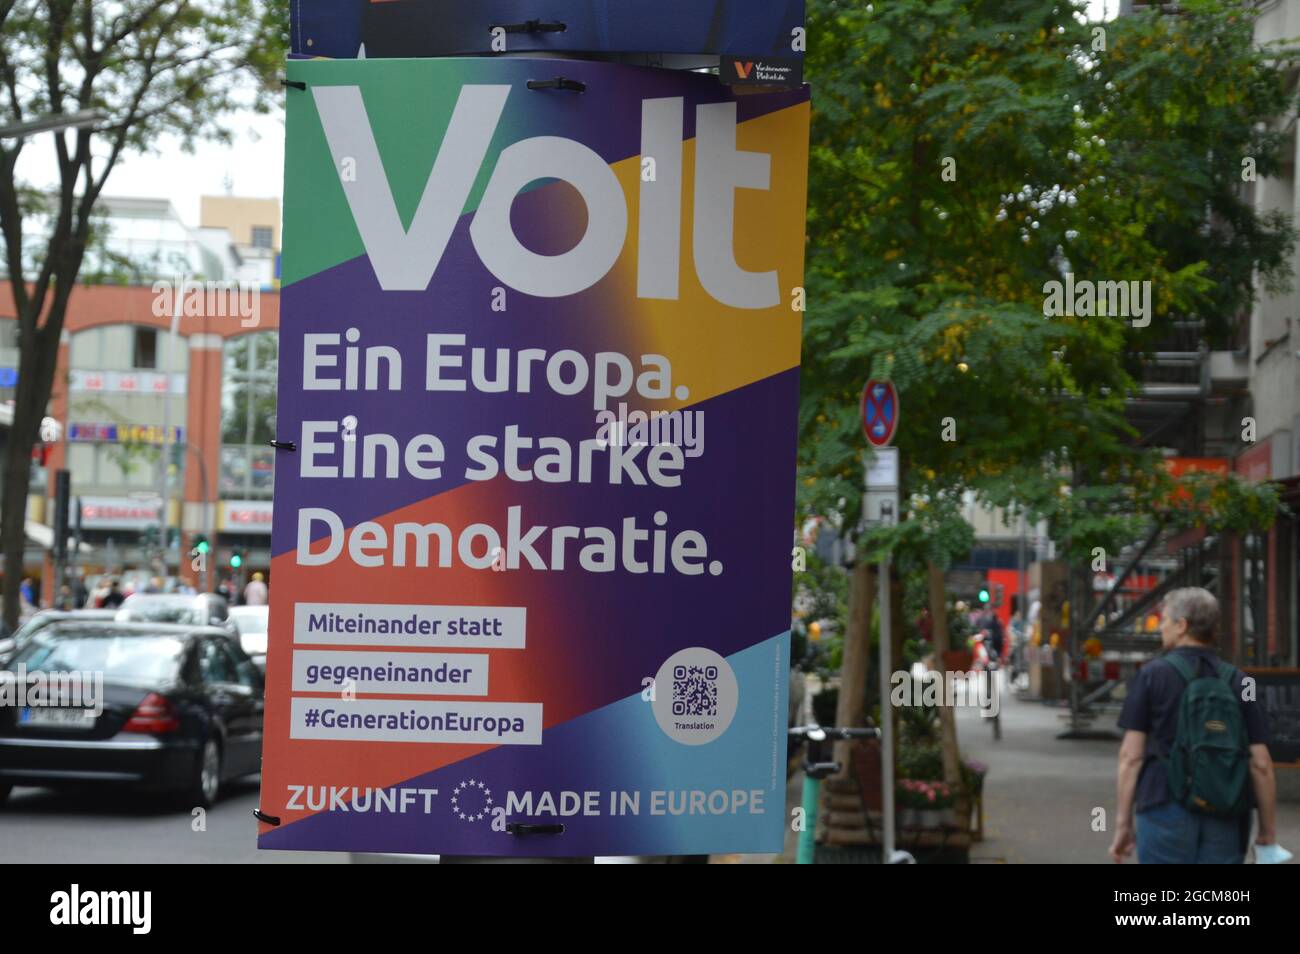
{"x":252,"y":165}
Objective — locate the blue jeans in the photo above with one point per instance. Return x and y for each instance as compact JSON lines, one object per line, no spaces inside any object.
{"x":1171,"y":835}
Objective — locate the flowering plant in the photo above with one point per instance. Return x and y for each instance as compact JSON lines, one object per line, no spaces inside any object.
{"x":916,"y":793}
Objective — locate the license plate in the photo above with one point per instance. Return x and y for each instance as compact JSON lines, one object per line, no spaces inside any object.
{"x":52,"y":718}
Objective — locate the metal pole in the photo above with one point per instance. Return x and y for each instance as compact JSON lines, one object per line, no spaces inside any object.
{"x":1018,"y":647}
{"x":886,"y":719}
{"x":205,"y":580}
{"x":62,"y":501}
{"x":164,"y":480}
{"x":55,"y":122}
{"x":76,"y":539}
{"x":210,"y":521}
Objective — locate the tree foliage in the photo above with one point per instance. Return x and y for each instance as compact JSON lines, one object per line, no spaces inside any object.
{"x":964,"y":154}
{"x":152,"y":68}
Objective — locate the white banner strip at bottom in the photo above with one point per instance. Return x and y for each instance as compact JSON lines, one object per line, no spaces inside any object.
{"x":417,"y":720}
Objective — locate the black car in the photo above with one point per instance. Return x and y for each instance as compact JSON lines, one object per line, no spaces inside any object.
{"x":39,"y":620}
{"x":181,"y":711}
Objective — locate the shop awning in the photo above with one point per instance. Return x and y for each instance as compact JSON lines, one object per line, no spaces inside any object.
{"x":43,"y":536}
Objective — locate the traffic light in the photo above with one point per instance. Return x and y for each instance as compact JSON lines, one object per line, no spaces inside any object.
{"x":236,"y":560}
{"x":984,"y":594}
{"x":201,"y":545}
{"x":997,"y":594}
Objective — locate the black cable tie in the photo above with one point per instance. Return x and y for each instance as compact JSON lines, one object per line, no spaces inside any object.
{"x":264,"y":817}
{"x":284,"y":445}
{"x":529,"y":26}
{"x":295,"y":84}
{"x":558,"y":83}
{"x":520,"y":828}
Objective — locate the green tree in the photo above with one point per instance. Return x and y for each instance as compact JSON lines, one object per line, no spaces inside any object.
{"x":937,"y":282}
{"x":151,"y":67}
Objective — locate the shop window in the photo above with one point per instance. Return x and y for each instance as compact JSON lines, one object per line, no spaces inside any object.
{"x":248,"y":383}
{"x":145,"y":355}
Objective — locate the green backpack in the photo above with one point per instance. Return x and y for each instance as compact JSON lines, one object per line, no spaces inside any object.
{"x":1209,"y":762}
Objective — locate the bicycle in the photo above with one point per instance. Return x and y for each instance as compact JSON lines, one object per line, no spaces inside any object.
{"x":813,"y":736}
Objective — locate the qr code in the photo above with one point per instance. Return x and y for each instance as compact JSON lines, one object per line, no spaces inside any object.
{"x":695,"y":690}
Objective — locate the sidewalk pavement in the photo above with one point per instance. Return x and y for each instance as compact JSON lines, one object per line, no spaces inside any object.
{"x":1041,"y":791}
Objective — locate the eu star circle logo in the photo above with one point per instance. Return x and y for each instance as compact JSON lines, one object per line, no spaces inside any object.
{"x":471,"y":800}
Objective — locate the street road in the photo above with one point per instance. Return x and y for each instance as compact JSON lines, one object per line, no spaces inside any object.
{"x":39,"y":825}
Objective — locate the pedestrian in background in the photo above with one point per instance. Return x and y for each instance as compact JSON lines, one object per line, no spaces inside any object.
{"x":255,"y":593}
{"x":1019,"y":627}
{"x":79,"y":592}
{"x":994,"y":634}
{"x":113,"y":598}
{"x":1175,"y":823}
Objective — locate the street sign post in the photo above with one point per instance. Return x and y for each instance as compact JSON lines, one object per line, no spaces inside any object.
{"x":880,"y":413}
{"x":880,"y":502}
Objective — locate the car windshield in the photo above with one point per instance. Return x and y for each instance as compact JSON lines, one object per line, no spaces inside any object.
{"x":132,"y":658}
{"x":160,"y":609}
{"x":33,"y":625}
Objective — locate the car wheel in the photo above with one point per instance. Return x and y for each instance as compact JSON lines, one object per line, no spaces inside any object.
{"x":206,"y":782}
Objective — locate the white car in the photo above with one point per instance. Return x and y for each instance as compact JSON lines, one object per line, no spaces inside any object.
{"x":200,"y":609}
{"x":251,"y":621}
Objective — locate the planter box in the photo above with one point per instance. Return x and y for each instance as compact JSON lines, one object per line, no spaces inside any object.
{"x":958,"y":660}
{"x":927,"y":818}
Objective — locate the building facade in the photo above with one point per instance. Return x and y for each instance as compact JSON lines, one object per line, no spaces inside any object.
{"x":165,"y":390}
{"x":1265,"y":582}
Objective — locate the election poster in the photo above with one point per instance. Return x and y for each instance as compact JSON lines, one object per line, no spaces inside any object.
{"x":537,"y":399}
{"x":407,"y":28}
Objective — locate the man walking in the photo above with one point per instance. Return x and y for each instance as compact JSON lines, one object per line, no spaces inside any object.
{"x":1192,"y":754}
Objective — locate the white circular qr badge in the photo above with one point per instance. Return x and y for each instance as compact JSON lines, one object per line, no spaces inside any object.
{"x":696,"y":695}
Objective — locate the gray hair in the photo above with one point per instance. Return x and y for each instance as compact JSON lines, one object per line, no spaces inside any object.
{"x":1199,"y":607}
